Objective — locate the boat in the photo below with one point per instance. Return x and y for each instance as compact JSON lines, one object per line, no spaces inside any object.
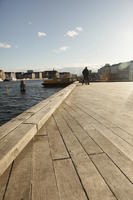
{"x":56,"y":83}
{"x":55,"y":79}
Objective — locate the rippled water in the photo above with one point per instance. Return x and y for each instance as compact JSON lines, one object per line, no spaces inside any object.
{"x":15,"y":102}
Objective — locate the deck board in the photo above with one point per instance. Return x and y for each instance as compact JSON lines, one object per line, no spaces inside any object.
{"x":68,"y":182}
{"x":19,"y":185}
{"x":84,"y":120}
{"x":88,"y":144}
{"x":92,"y":181}
{"x":84,"y":151}
{"x":119,"y":184}
{"x":44,"y":183}
{"x":58,"y":149}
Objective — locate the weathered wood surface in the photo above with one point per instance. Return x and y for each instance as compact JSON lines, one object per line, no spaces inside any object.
{"x":14,"y":143}
{"x":84,"y":151}
{"x":44,"y":182}
{"x":18,"y":132}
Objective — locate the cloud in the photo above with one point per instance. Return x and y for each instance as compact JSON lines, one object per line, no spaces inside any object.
{"x":79,"y":29}
{"x":71,"y":33}
{"x":41,"y":34}
{"x":74,"y":33}
{"x":62,"y":49}
{"x":5,"y":45}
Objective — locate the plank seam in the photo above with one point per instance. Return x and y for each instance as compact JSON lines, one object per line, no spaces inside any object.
{"x":103,"y":150}
{"x":72,"y":162}
{"x":86,"y":132}
{"x":56,"y":159}
{"x":79,"y":140}
{"x":105,"y":125}
{"x":120,"y":136}
{"x":53,"y":167}
{"x":104,"y":178}
{"x":8,"y":180}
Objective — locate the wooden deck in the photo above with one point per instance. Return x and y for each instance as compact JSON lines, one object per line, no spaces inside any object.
{"x":83,"y":152}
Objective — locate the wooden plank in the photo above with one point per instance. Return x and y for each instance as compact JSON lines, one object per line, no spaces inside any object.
{"x":44,"y":182}
{"x":4,"y":181}
{"x":78,"y":116}
{"x":119,"y":184}
{"x":92,"y":181}
{"x":123,"y":134}
{"x":87,"y":120}
{"x":119,"y":158}
{"x":119,"y":142}
{"x":13,"y":144}
{"x":42,"y":131}
{"x":45,"y":113}
{"x":19,"y":186}
{"x":25,"y":115}
{"x":58,"y":149}
{"x":86,"y":108}
{"x":68,"y":182}
{"x":38,"y":106}
{"x":6,"y":128}
{"x":88,"y":144}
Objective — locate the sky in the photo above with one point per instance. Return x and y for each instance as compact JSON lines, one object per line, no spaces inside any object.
{"x":42,"y":34}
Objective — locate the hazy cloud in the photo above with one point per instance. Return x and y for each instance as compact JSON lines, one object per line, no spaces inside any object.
{"x":29,"y":22}
{"x":79,"y":29}
{"x":41,"y":34}
{"x":62,"y":49}
{"x":74,"y":33}
{"x":5,"y":45}
{"x":71,"y":33}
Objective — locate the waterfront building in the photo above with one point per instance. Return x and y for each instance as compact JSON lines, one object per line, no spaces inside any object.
{"x":19,"y":75}
{"x":38,"y":75}
{"x":104,"y":73}
{"x":30,"y":71}
{"x":29,"y":75}
{"x":117,"y":72}
{"x":10,"y":75}
{"x":2,"y":74}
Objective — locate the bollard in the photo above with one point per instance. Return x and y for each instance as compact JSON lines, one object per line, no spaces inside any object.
{"x":22,"y":86}
{"x":7,"y":89}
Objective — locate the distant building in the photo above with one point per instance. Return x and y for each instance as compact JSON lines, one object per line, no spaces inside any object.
{"x":104,"y":73}
{"x":2,"y":75}
{"x":93,"y":76}
{"x":38,"y":75}
{"x":130,"y":71}
{"x":10,"y":75}
{"x":19,"y":75}
{"x":29,"y":75}
{"x":30,"y":71}
{"x":117,"y":72}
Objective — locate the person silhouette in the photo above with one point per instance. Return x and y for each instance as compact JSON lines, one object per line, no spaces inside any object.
{"x":85,"y":73}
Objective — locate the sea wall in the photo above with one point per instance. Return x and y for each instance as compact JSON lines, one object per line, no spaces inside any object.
{"x":18,"y":132}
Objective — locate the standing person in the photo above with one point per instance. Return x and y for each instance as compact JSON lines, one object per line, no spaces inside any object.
{"x":85,"y":73}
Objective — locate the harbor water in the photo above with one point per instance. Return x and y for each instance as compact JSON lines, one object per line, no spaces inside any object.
{"x":13,"y":102}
